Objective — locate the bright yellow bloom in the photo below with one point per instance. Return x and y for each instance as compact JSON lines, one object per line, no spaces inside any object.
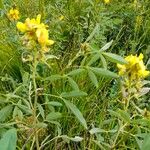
{"x":30,"y":24}
{"x":21,"y":27}
{"x":134,"y":69}
{"x":35,"y":31}
{"x":13,"y":14}
{"x":106,"y":1}
{"x":42,"y":36}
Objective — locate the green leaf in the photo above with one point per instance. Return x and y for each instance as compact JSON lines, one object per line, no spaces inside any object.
{"x":139,"y":142}
{"x":93,"y":33}
{"x":96,"y":130}
{"x":54,"y":77}
{"x":75,"y":72}
{"x":73,"y":84}
{"x":41,"y":125}
{"x":25,"y":77}
{"x":106,"y":46}
{"x":9,"y":139}
{"x":104,"y":63}
{"x":76,"y":112}
{"x":25,"y":109}
{"x":53,"y":103}
{"x":93,"y":78}
{"x":104,"y":72}
{"x":54,"y":122}
{"x":53,"y":116}
{"x":93,"y":59}
{"x":146,"y":143}
{"x":17,"y":112}
{"x":41,"y":110}
{"x":73,"y":94}
{"x":124,"y":115}
{"x":115,"y":58}
{"x":121,"y":114}
{"x":5,"y":112}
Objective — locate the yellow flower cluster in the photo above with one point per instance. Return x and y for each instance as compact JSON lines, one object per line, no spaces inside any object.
{"x":134,"y":69}
{"x":35,"y":31}
{"x":13,"y":14}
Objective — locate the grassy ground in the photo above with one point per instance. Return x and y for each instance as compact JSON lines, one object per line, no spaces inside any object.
{"x":72,"y":98}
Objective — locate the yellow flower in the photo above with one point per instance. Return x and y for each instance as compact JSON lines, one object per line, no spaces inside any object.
{"x":13,"y":14}
{"x":134,"y":69}
{"x":42,"y":35}
{"x":106,"y":1}
{"x":21,"y":27}
{"x":31,"y":24}
{"x":122,"y":69}
{"x":36,"y":31}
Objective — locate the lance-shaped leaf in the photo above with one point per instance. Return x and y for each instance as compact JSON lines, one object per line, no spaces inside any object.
{"x":104,"y":72}
{"x":76,"y":112}
{"x":73,"y":94}
{"x":115,"y":58}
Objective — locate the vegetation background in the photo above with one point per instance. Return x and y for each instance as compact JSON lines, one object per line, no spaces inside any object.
{"x":80,"y":103}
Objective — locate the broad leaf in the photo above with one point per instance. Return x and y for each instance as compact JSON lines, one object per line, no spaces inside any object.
{"x":146,"y":143}
{"x":53,"y":116}
{"x":25,"y":109}
{"x":5,"y":112}
{"x":9,"y":139}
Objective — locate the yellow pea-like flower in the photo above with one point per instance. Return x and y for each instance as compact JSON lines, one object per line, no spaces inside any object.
{"x":13,"y":14}
{"x":135,"y":67}
{"x":42,"y":35}
{"x":21,"y":27}
{"x":36,"y":32}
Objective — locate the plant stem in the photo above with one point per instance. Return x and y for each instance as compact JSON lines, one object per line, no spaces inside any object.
{"x":74,"y":58}
{"x":35,"y":99}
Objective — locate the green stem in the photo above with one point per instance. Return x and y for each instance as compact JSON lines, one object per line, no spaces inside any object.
{"x":35,"y":99}
{"x":72,"y":60}
{"x":122,"y":126}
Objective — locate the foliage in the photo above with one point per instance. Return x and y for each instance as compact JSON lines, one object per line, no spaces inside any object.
{"x":66,"y":93}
